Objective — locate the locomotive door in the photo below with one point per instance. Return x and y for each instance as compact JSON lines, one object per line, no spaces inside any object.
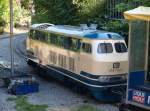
{"x":74,"y":54}
{"x":86,"y":56}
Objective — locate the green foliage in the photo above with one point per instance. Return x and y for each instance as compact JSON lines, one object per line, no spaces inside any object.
{"x":2,"y":22}
{"x":55,"y":11}
{"x":117,"y":26}
{"x":75,"y":12}
{"x":4,"y":12}
{"x":20,"y":11}
{"x":86,"y":108}
{"x":121,"y":26}
{"x":122,"y":7}
{"x":71,"y":12}
{"x":90,"y":10}
{"x":2,"y":7}
{"x":25,"y":4}
{"x":2,"y":25}
{"x":1,"y":30}
{"x":127,"y":5}
{"x":23,"y":105}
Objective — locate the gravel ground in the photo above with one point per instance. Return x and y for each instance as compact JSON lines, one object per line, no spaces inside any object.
{"x":55,"y":95}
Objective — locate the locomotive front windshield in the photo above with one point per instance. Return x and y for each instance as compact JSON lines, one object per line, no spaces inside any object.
{"x":120,"y":47}
{"x":108,"y":48}
{"x":105,"y":48}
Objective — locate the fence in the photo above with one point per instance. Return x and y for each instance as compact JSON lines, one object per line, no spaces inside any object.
{"x":111,"y":11}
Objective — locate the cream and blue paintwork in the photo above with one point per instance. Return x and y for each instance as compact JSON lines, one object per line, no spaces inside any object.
{"x":94,"y":70}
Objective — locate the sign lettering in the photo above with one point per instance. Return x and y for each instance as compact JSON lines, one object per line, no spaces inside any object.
{"x":138,"y":97}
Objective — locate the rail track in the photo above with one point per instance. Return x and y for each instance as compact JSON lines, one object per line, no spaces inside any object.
{"x":19,"y":46}
{"x":18,"y":50}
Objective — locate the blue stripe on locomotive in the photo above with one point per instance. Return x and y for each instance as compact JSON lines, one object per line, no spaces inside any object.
{"x":98,"y":90}
{"x":103,"y":35}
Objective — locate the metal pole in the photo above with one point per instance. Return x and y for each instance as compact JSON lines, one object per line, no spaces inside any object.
{"x":147,"y":50}
{"x":11,"y":37}
{"x":147,"y":47}
{"x":129,"y":58}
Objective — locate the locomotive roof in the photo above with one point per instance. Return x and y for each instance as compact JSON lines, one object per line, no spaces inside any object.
{"x":77,"y":31}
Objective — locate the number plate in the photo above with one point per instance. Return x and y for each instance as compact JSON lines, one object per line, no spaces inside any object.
{"x":116,"y":65}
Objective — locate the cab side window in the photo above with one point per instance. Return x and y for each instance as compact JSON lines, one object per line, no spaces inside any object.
{"x":86,"y":47}
{"x":75,"y":44}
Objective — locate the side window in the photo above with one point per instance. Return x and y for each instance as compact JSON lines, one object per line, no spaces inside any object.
{"x":86,"y":47}
{"x":67,"y":42}
{"x":105,"y":48}
{"x":37,"y":35}
{"x":54,"y":39}
{"x":32,"y":34}
{"x":60,"y":41}
{"x":42,"y":36}
{"x":75,"y":44}
{"x":48,"y":38}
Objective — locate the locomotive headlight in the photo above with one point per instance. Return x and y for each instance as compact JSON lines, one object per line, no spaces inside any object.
{"x":104,"y":79}
{"x":124,"y":77}
{"x":115,"y":78}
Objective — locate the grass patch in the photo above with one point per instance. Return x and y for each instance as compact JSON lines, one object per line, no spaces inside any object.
{"x":23,"y":105}
{"x":86,"y":107}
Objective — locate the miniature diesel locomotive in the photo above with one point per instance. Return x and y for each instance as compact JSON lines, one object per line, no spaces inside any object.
{"x":84,"y":56}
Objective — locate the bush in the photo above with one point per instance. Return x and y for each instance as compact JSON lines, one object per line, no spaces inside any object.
{"x":1,"y":30}
{"x":2,"y":25}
